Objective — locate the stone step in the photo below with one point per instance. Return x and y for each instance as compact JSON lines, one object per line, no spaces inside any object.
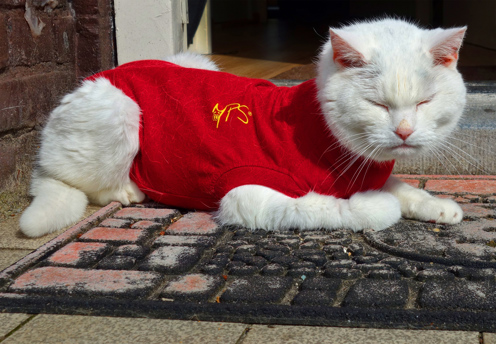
{"x":471,"y":148}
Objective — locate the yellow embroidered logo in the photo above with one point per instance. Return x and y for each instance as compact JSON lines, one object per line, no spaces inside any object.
{"x":242,"y":111}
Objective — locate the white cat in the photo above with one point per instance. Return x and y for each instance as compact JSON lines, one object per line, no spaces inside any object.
{"x":386,"y":90}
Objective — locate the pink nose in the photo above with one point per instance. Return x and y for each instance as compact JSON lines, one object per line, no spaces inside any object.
{"x":403,"y":133}
{"x":404,"y":130}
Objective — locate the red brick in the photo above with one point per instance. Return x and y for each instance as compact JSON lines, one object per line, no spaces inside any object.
{"x":195,"y":224}
{"x":79,"y":254}
{"x":184,"y":240}
{"x":116,"y":235}
{"x":413,"y":182}
{"x":4,"y":47}
{"x":15,"y":156}
{"x":151,"y":214}
{"x":454,"y":198}
{"x":88,"y":46}
{"x":472,"y":198}
{"x":444,"y":176}
{"x":462,"y":186}
{"x":27,"y":101}
{"x":59,"y":280}
{"x":477,"y":210}
{"x":85,"y":6}
{"x":14,"y":2}
{"x":60,"y":240}
{"x":95,"y":41}
{"x":171,"y":259}
{"x":193,"y":287}
{"x":406,"y":176}
{"x":21,"y":103}
{"x":46,"y":5}
{"x":115,"y":223}
{"x":64,"y":33}
{"x":190,"y":283}
{"x":25,"y":47}
{"x":148,"y":225}
{"x":8,"y":153}
{"x":134,"y":251}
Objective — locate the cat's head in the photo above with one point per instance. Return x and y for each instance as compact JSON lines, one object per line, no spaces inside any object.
{"x":390,"y":90}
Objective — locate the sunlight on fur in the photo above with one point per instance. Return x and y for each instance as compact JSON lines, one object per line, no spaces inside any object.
{"x":318,"y":155}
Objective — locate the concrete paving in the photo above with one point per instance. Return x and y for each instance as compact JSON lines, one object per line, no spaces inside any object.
{"x":12,"y":238}
{"x":9,"y":256}
{"x":90,"y":329}
{"x":489,"y":338}
{"x":10,"y":321}
{"x":84,"y":329}
{"x":477,"y":195}
{"x":305,"y":334}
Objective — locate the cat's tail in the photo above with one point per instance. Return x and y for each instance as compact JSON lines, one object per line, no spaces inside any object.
{"x":55,"y":206}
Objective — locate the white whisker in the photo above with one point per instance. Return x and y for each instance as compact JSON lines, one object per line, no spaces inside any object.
{"x":451,"y":149}
{"x":438,"y":154}
{"x":12,"y":107}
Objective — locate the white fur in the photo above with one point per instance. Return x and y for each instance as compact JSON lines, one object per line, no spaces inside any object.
{"x":398,"y":73}
{"x":88,"y":145}
{"x":91,"y":139}
{"x":56,"y":205}
{"x":192,"y":60}
{"x":87,"y":148}
{"x":255,"y":206}
{"x":420,"y":205}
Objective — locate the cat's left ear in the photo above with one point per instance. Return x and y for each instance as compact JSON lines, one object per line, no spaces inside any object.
{"x":344,"y":54}
{"x":445,"y":46}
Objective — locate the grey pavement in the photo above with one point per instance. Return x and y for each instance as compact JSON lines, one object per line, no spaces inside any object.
{"x":22,"y":328}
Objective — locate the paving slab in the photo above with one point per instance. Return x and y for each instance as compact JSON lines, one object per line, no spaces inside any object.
{"x":9,"y":257}
{"x":305,"y":334}
{"x":489,"y":338}
{"x":151,"y":261}
{"x":8,"y":322}
{"x":85,"y":329}
{"x":12,"y":237}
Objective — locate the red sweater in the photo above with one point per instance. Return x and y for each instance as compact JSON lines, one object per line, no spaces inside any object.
{"x":204,"y":133}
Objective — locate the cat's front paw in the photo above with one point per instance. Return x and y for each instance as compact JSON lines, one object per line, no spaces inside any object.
{"x":436,"y":210}
{"x":373,"y":210}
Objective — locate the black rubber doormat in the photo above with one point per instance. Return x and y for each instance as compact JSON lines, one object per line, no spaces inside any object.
{"x":148,"y":261}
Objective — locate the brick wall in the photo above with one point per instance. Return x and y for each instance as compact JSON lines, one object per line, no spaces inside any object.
{"x":46,"y":47}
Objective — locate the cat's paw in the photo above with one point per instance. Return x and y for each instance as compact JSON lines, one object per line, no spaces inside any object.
{"x":373,"y":209}
{"x":129,"y":193}
{"x":433,"y":209}
{"x":133,"y":193}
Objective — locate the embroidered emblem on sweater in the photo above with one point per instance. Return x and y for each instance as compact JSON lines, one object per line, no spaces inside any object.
{"x":242,"y":111}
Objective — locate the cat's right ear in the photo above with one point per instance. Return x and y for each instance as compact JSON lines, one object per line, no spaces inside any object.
{"x":446,"y":44}
{"x":344,"y":55}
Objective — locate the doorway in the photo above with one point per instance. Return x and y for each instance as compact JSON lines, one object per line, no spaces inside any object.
{"x":279,"y":39}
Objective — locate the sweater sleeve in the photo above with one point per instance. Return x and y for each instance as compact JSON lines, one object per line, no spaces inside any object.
{"x":264,"y":176}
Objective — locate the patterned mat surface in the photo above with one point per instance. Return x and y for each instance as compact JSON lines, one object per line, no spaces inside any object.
{"x":149,"y":261}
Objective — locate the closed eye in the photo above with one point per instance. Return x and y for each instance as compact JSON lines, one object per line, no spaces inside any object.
{"x":385,"y":107}
{"x":423,"y":102}
{"x":427,"y":100}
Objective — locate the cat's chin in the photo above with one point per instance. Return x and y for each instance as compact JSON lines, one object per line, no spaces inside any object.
{"x":404,"y":151}
{"x":399,"y":152}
